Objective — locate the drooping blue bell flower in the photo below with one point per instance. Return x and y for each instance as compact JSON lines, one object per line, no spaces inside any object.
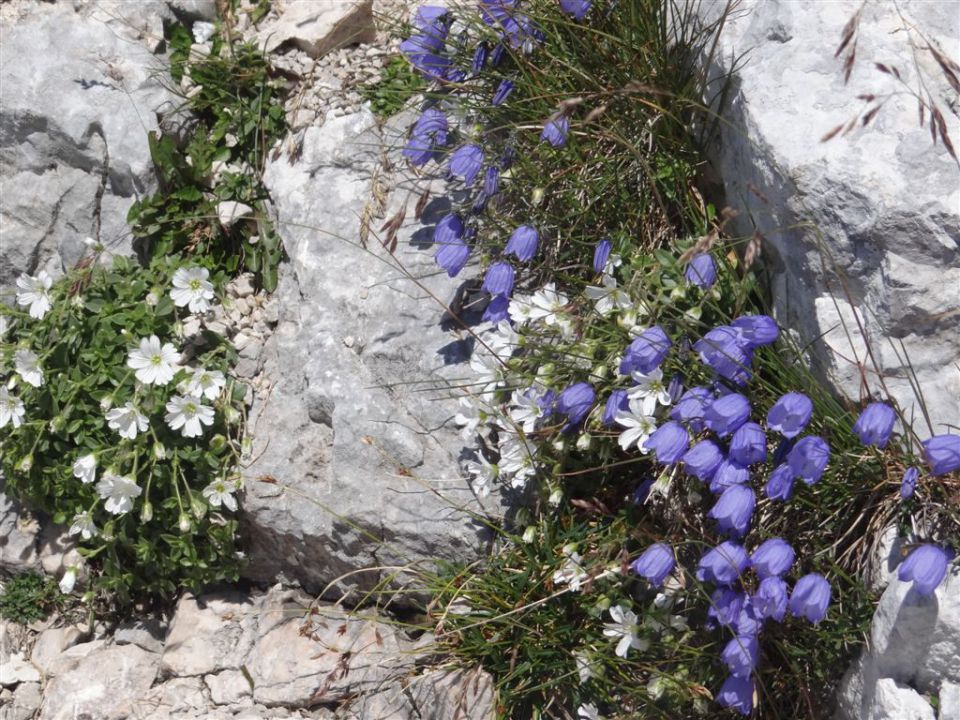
{"x":810,"y":598}
{"x":809,"y":458}
{"x":523,"y":243}
{"x":575,"y":402}
{"x":690,"y":408}
{"x":617,"y":401}
{"x":734,"y":509}
{"x":702,"y":460}
{"x":875,"y":424}
{"x":655,"y":563}
{"x":499,"y":279}
{"x":728,"y":474}
{"x":465,"y":163}
{"x":669,"y":442}
{"x":909,"y":482}
{"x":576,"y":8}
{"x":646,"y":352}
{"x":601,"y":253}
{"x":772,"y":557}
{"x":770,"y":600}
{"x":555,"y":131}
{"x":942,"y":453}
{"x":748,"y":444}
{"x":736,"y":693}
{"x":702,"y":271}
{"x":780,"y":483}
{"x":497,"y":309}
{"x":790,"y":414}
{"x":756,"y":330}
{"x":723,"y":564}
{"x":726,"y":414}
{"x":740,"y":655}
{"x":926,"y":566}
{"x":503,"y":91}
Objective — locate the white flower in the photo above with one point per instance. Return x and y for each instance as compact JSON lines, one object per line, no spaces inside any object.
{"x":571,"y":573}
{"x":118,"y":491}
{"x":27,"y":365}
{"x":649,"y":390}
{"x":68,"y":580}
{"x":516,"y":460}
{"x":483,"y":474}
{"x":203,"y":31}
{"x":468,"y":417}
{"x":608,"y":297}
{"x":218,"y":492}
{"x":153,"y":364}
{"x":83,"y":526}
{"x":188,"y":413}
{"x":206,"y":383}
{"x":127,"y":421}
{"x":545,"y":305}
{"x":584,"y":666}
{"x":525,"y":408}
{"x":191,"y":288}
{"x":624,"y":626}
{"x":588,"y":711}
{"x":501,"y":339}
{"x":85,"y":469}
{"x":639,"y":426}
{"x":11,"y":409}
{"x":488,"y":374}
{"x":35,"y":292}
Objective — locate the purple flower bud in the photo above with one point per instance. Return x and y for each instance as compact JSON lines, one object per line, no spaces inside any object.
{"x":773,"y":557}
{"x":646,"y":352}
{"x":726,"y":604}
{"x":453,"y":252}
{"x":503,"y":90}
{"x":429,"y":132}
{"x":926,"y":566}
{"x":942,"y":453}
{"x":909,"y":483}
{"x":675,"y":388}
{"x":497,"y":309}
{"x":575,"y":402}
{"x":790,"y":414}
{"x":809,"y":458}
{"x":702,"y":271}
{"x":756,"y":330}
{"x":601,"y":253}
{"x":723,"y":564}
{"x":875,"y":424}
{"x":724,"y":415}
{"x":780,"y":483}
{"x":655,"y":563}
{"x":702,"y":460}
{"x":810,"y":598}
{"x":734,"y":509}
{"x":432,"y":20}
{"x":523,"y":243}
{"x":496,"y":55}
{"x":669,"y":441}
{"x":499,"y":279}
{"x":491,"y":181}
{"x":479,"y":58}
{"x":617,"y":401}
{"x":691,"y":406}
{"x":770,"y":600}
{"x":723,"y":351}
{"x":736,"y":693}
{"x":422,"y":52}
{"x":454,"y":74}
{"x":576,"y":8}
{"x":740,"y":655}
{"x":748,"y":444}
{"x":465,"y":163}
{"x":727,"y":475}
{"x":555,"y":131}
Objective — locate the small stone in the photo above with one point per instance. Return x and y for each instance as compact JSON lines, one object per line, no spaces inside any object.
{"x":147,"y":634}
{"x":51,"y":643}
{"x":949,"y":701}
{"x":228,"y":687}
{"x":16,"y":670}
{"x":240,"y":341}
{"x":26,"y":699}
{"x":229,"y":211}
{"x":242,"y":306}
{"x":243,"y":286}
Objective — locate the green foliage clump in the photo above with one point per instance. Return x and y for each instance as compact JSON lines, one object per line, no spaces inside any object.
{"x":29,"y":597}
{"x":236,"y":117}
{"x":398,"y":83}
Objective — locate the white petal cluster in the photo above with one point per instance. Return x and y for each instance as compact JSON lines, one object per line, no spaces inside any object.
{"x":127,"y":420}
{"x":85,"y":469}
{"x":639,"y":425}
{"x":205,"y":383}
{"x":624,"y":627}
{"x":11,"y":409}
{"x":153,"y":364}
{"x":118,"y":491}
{"x":188,"y":414}
{"x":220,"y":492}
{"x":83,"y":526}
{"x":27,"y":365}
{"x":649,"y":391}
{"x":35,"y":293}
{"x":192,"y":288}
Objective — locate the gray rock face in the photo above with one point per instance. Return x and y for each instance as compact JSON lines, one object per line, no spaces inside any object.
{"x":80,"y":91}
{"x":317,"y":27}
{"x":914,"y":646}
{"x":18,"y":536}
{"x":355,"y":460}
{"x":872,"y":215}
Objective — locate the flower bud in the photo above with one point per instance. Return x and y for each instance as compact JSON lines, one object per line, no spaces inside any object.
{"x":198,"y":507}
{"x":556,"y":497}
{"x":151,"y":299}
{"x":217,"y":443}
{"x":159,"y":451}
{"x":530,"y":534}
{"x":146,"y":512}
{"x":584,"y":442}
{"x":185,"y":523}
{"x":106,"y":403}
{"x":25,"y":464}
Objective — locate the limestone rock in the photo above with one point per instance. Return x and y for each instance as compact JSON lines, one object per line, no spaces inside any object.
{"x":105,"y":685}
{"x":895,"y":701}
{"x":228,"y":687}
{"x":80,"y":90}
{"x":17,"y":669}
{"x":229,"y":211}
{"x":68,"y":659}
{"x":175,"y":698}
{"x":318,"y":27}
{"x":872,"y":214}
{"x":26,"y":699}
{"x":147,"y":633}
{"x":18,"y":536}
{"x":463,"y":694}
{"x":949,"y":701}
{"x":359,"y":470}
{"x":51,"y":644}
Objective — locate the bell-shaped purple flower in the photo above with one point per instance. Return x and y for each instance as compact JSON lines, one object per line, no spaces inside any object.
{"x":429,"y":133}
{"x":555,"y":130}
{"x":790,"y":414}
{"x":491,"y":181}
{"x":723,"y":351}
{"x":770,"y":600}
{"x":809,"y":458}
{"x":736,"y":693}
{"x":909,"y":482}
{"x":479,"y":58}
{"x":810,"y":598}
{"x":942,"y":453}
{"x":465,"y":162}
{"x":675,"y":388}
{"x":726,"y":604}
{"x":702,"y":460}
{"x":617,"y":401}
{"x":423,"y":52}
{"x":724,"y":415}
{"x":433,"y":20}
{"x":496,"y":55}
{"x":733,"y":509}
{"x":723,"y":564}
{"x":780,"y":483}
{"x":773,"y":558}
{"x":642,"y":491}
{"x":702,"y":271}
{"x":499,"y":279}
{"x":875,"y":424}
{"x":728,"y":474}
{"x":740,"y":655}
{"x":452,"y":253}
{"x":503,"y":91}
{"x":669,"y":442}
{"x":523,"y":243}
{"x":497,"y":309}
{"x":756,"y":330}
{"x":749,"y":621}
{"x":646,"y":352}
{"x":748,"y":444}
{"x":691,"y":406}
{"x":576,"y":8}
{"x":926,"y":566}
{"x":575,"y":402}
{"x":655,"y":563}
{"x":601,"y":253}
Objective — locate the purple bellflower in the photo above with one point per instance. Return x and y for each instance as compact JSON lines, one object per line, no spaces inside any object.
{"x":740,"y":655}
{"x":780,"y":483}
{"x":770,"y":600}
{"x":702,"y":460}
{"x":772,"y":558}
{"x":926,"y":566}
{"x":617,"y":401}
{"x":691,"y":406}
{"x":452,"y":253}
{"x":790,"y":414}
{"x":576,"y":8}
{"x":909,"y":482}
{"x":736,"y":693}
{"x":503,"y":91}
{"x":756,"y":330}
{"x":723,"y":564}
{"x":429,"y":133}
{"x":723,"y":351}
{"x":499,"y":279}
{"x":728,"y":474}
{"x":465,"y":162}
{"x":655,"y":563}
{"x":702,"y":271}
{"x":497,"y":309}
{"x":875,"y":424}
{"x":669,"y":441}
{"x":601,"y":253}
{"x":810,"y":598}
{"x":748,"y":444}
{"x":942,"y":453}
{"x":575,"y":402}
{"x":726,"y":414}
{"x":726,"y":604}
{"x":809,"y":458}
{"x":479,"y":58}
{"x":555,"y":130}
{"x":733,"y":509}
{"x":523,"y":243}
{"x":646,"y":352}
